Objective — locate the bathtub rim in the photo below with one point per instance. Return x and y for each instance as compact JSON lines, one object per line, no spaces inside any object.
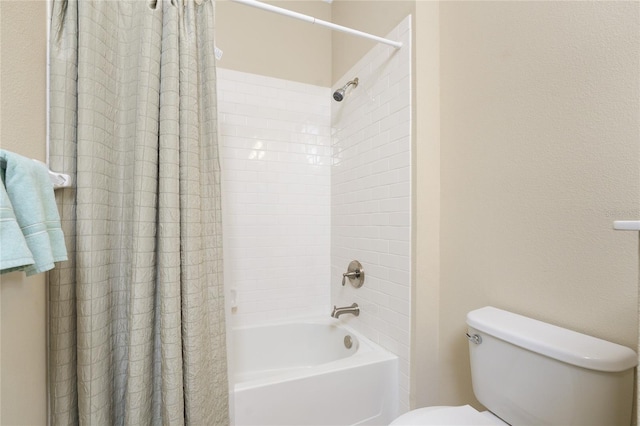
{"x":368,"y":353}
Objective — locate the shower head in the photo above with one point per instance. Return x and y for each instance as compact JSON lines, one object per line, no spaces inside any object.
{"x":338,"y":95}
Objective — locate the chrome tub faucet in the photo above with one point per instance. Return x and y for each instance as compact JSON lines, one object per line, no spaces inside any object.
{"x":353,"y":310}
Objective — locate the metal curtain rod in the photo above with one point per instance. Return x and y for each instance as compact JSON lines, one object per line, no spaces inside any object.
{"x":311,"y":19}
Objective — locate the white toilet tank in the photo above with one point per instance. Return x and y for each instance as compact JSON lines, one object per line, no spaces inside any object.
{"x":528,"y":372}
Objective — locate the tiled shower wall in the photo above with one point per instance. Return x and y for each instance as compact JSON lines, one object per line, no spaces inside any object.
{"x":301,"y":200}
{"x":371,"y":197}
{"x":276,"y":166}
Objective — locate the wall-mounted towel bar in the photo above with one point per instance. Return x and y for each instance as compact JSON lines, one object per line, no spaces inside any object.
{"x":626,"y":225}
{"x":59,"y":180}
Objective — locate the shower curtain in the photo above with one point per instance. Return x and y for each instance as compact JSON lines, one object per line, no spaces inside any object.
{"x":136,"y":316}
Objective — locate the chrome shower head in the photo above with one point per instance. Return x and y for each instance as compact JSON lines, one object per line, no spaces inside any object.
{"x":338,"y":95}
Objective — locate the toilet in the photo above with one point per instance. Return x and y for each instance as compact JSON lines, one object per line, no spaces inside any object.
{"x":527,"y":372}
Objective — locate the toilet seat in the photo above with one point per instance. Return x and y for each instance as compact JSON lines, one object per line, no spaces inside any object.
{"x":444,"y":415}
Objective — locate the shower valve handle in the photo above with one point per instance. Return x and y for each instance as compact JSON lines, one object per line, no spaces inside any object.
{"x":355,"y":273}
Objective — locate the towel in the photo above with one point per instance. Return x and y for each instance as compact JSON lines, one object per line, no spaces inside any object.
{"x":30,"y":193}
{"x":14,"y":252}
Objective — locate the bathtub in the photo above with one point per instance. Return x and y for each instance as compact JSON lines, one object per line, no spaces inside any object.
{"x":302,"y":373}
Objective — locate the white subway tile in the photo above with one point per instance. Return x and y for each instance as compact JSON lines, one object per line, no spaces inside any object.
{"x":371,"y":196}
{"x":270,"y":172}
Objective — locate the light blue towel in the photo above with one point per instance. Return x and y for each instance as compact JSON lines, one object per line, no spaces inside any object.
{"x":30,"y":193}
{"x":14,"y":253}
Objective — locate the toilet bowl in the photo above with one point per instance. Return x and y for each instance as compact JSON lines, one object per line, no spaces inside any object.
{"x":445,"y":416}
{"x":525,"y":371}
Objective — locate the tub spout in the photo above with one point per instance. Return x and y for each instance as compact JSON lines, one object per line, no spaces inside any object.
{"x":353,"y":310}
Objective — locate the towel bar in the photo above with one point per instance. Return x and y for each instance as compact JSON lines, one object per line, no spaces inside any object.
{"x":59,"y":180}
{"x":626,"y":225}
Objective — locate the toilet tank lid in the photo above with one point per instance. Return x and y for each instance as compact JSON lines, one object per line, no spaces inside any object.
{"x":552,"y":341}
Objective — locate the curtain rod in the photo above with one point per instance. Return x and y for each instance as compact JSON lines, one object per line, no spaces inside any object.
{"x":311,"y":19}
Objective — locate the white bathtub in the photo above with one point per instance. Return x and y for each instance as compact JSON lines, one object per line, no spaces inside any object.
{"x":302,"y":374}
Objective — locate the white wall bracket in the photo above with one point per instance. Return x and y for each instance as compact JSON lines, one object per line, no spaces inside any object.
{"x":626,"y":225}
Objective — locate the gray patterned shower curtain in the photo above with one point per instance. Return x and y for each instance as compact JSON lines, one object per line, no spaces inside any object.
{"x":136,"y":316}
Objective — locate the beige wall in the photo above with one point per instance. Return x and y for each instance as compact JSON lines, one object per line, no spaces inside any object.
{"x":540,"y":153}
{"x":426,"y":206}
{"x":260,"y":42}
{"x":22,"y":130}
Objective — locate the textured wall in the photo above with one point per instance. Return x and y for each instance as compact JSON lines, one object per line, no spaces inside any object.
{"x":22,"y":130}
{"x":426,"y":218}
{"x":540,"y":104}
{"x":276,"y":163}
{"x":371,"y":197}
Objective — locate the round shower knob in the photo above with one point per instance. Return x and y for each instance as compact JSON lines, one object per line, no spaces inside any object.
{"x":355,"y":274}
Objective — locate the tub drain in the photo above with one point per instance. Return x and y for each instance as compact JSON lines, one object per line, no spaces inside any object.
{"x":348,"y":341}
